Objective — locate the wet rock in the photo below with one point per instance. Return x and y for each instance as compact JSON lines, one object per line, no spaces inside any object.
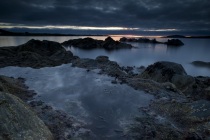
{"x":149,"y":128}
{"x":101,"y":62}
{"x":62,"y":125}
{"x":89,"y":43}
{"x":102,"y":58}
{"x":168,"y":72}
{"x":18,"y":121}
{"x":35,"y":54}
{"x":200,"y":89}
{"x":201,"y":110}
{"x":173,"y":120}
{"x":15,"y":87}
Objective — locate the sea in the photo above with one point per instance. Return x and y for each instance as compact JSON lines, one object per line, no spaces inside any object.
{"x":143,"y":54}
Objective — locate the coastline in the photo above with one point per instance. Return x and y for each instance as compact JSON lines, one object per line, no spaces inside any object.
{"x":170,"y":101}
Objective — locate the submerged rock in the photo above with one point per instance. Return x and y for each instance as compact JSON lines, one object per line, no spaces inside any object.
{"x":168,"y":72}
{"x":89,"y":43}
{"x":35,"y":54}
{"x":19,"y":122}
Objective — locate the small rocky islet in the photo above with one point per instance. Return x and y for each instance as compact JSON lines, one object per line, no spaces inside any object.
{"x":180,"y":110}
{"x":170,"y":42}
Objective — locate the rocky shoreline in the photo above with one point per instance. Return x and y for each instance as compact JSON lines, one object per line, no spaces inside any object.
{"x":180,"y":110}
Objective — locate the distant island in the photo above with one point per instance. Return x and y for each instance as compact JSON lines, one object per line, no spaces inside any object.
{"x":8,"y":33}
{"x":170,"y":42}
{"x":181,"y":36}
{"x":4,"y":32}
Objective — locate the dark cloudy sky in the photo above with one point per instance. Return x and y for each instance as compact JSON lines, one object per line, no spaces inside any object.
{"x":107,"y":16}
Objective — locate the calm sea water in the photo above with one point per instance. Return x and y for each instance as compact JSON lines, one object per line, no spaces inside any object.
{"x":142,"y":55}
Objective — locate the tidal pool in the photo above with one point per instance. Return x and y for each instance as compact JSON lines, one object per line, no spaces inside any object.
{"x":106,"y":108}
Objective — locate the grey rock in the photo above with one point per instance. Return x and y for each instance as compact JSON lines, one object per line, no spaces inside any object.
{"x":19,"y":122}
{"x":168,"y":72}
{"x":102,"y":58}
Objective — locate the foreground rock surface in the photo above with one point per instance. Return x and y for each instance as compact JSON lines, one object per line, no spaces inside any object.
{"x":19,"y":122}
{"x":13,"y":111}
{"x":35,"y":54}
{"x":89,"y":43}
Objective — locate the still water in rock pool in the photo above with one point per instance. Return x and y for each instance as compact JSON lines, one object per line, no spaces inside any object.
{"x":106,"y":108}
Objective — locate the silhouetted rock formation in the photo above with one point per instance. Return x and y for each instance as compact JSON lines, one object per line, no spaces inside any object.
{"x":139,"y":40}
{"x":172,"y":42}
{"x":201,"y":64}
{"x":89,"y":43}
{"x":35,"y":54}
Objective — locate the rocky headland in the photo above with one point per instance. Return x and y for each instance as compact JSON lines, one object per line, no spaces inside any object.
{"x":180,"y":110}
{"x":89,"y":43}
{"x":170,"y":42}
{"x":35,"y":54}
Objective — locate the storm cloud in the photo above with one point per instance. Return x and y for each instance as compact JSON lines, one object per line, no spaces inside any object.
{"x":146,"y":15}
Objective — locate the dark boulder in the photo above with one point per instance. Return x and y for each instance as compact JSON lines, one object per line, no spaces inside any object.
{"x":102,"y":58}
{"x":43,"y":48}
{"x":35,"y":54}
{"x":168,"y":72}
{"x":86,"y":43}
